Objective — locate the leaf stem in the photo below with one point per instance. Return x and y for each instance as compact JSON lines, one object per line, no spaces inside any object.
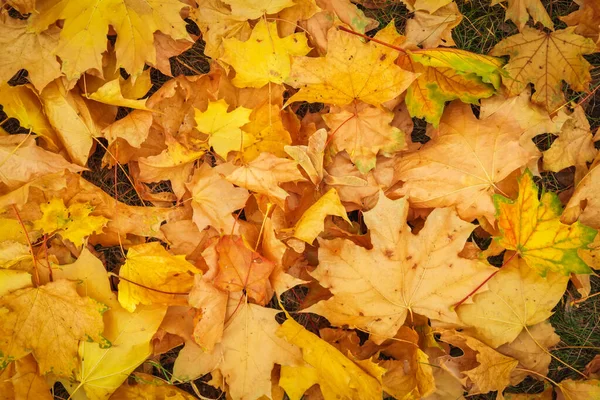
{"x":145,"y":287}
{"x":553,"y":356}
{"x":455,"y":306}
{"x":391,"y":46}
{"x":36,"y":274}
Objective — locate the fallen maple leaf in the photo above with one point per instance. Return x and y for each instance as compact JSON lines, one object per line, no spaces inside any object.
{"x":268,"y":131}
{"x":264,"y":57}
{"x":83,"y":36}
{"x":519,"y":11}
{"x":311,"y":224}
{"x":211,"y":304}
{"x":246,"y":355}
{"x":214,"y":199}
{"x":584,"y":205}
{"x":49,"y":321}
{"x":574,"y":146}
{"x":223,"y":127}
{"x":337,"y":376}
{"x":23,"y":161}
{"x":133,"y":128}
{"x":351,"y":70}
{"x":435,"y":29}
{"x":428,"y":94}
{"x":532,"y":227}
{"x":29,"y":50}
{"x":264,"y":174}
{"x":585,"y":20}
{"x":241,"y":269}
{"x":103,"y":369}
{"x":464,"y":165}
{"x":151,"y":275}
{"x":531,"y":349}
{"x":23,"y":381}
{"x":252,"y":9}
{"x":575,"y":390}
{"x":517,"y":299}
{"x":376,"y":289}
{"x":545,"y":60}
{"x":364,"y":131}
{"x":485,"y":368}
{"x":175,"y":163}
{"x":148,"y":386}
{"x":74,"y":223}
{"x":21,"y":102}
{"x":71,"y":118}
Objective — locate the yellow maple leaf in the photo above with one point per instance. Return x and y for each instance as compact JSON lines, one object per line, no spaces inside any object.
{"x":103,"y":369}
{"x":269,"y":133}
{"x":532,"y":227}
{"x":264,"y":174}
{"x":111,"y":93}
{"x":214,"y":199}
{"x":11,"y":280}
{"x":518,"y":11}
{"x":71,"y":118}
{"x":483,"y":368}
{"x":22,"y":103}
{"x":351,"y":70}
{"x":21,"y":381}
{"x":49,"y":321}
{"x":133,"y":128}
{"x":83,"y":37}
{"x":376,"y":289}
{"x":21,"y":161}
{"x":584,"y":205}
{"x":311,"y":223}
{"x":148,"y":386}
{"x":363,"y":132}
{"x":216,"y":23}
{"x":585,"y":20}
{"x":574,"y":146}
{"x":242,"y":269}
{"x":223,"y":128}
{"x":175,"y":164}
{"x":431,"y":30}
{"x":264,"y":57}
{"x":545,"y":60}
{"x":337,"y":376}
{"x":530,"y":348}
{"x":253,"y":9}
{"x":157,"y":271}
{"x":33,"y":51}
{"x":517,"y":298}
{"x":462,"y":165}
{"x":246,"y":355}
{"x":575,"y":390}
{"x":74,"y":223}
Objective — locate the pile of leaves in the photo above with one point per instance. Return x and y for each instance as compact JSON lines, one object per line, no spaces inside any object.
{"x":271,"y":224}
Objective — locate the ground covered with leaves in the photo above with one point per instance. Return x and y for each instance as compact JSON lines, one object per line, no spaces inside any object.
{"x":299,"y":199}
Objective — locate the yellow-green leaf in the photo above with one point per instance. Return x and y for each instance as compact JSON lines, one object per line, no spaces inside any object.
{"x":428,"y":94}
{"x":532,"y":227}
